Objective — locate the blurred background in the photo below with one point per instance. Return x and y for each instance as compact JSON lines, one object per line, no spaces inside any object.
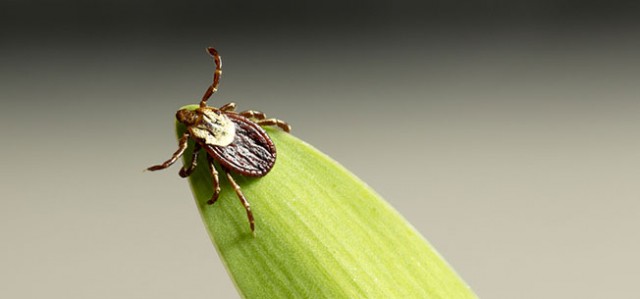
{"x":506,"y":132}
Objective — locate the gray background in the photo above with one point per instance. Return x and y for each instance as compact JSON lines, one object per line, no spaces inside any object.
{"x":506,"y":132}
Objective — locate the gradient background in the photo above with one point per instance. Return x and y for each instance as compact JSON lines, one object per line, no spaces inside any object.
{"x":505,"y":131}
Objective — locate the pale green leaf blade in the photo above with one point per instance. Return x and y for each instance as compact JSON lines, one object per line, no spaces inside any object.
{"x":320,"y":233}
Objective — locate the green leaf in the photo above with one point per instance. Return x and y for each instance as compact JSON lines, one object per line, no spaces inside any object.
{"x":320,"y":233}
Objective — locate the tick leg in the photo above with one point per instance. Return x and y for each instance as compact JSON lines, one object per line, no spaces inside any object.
{"x":229,"y":107}
{"x":275,"y":122}
{"x":243,"y":200}
{"x":253,"y":114}
{"x":187,"y":171}
{"x":181,"y":147}
{"x":214,"y":180}
{"x":216,"y":77}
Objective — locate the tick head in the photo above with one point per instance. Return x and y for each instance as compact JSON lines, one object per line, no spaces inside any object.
{"x":187,"y":117}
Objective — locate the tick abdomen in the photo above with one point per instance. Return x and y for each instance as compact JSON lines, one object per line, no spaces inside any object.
{"x":252,"y":153}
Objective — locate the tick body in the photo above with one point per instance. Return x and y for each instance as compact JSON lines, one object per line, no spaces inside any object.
{"x":234,"y":140}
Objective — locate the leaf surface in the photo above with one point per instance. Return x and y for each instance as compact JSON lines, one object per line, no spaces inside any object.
{"x":320,"y":233}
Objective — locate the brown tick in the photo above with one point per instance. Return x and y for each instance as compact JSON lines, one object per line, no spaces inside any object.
{"x":233,"y":139}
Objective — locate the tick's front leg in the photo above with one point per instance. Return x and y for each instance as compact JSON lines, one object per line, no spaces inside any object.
{"x":187,"y":171}
{"x":182,"y":145}
{"x":216,"y":77}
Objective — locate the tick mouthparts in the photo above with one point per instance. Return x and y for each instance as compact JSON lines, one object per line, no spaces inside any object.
{"x":187,"y":117}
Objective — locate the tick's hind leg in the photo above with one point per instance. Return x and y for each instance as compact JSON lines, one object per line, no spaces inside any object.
{"x":243,"y":200}
{"x":275,"y":122}
{"x":187,"y":171}
{"x":214,"y":180}
{"x":182,"y":145}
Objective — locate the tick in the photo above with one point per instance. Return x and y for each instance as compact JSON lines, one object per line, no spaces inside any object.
{"x":235,"y":140}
